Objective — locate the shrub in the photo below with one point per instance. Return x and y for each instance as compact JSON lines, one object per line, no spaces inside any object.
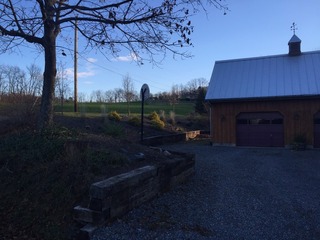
{"x":135,"y":121}
{"x":154,"y":115}
{"x":114,"y":116}
{"x":158,"y":123}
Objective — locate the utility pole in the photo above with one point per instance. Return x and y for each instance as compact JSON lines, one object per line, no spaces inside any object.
{"x":144,"y":95}
{"x":75,"y":66}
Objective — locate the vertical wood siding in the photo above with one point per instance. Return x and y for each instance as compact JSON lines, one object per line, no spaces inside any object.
{"x":297,"y":115}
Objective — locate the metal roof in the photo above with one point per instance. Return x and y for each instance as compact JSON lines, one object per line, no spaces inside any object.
{"x":294,"y":39}
{"x":266,"y":77}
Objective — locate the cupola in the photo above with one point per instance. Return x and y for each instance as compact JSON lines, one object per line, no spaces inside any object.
{"x":295,"y":42}
{"x":294,"y":46}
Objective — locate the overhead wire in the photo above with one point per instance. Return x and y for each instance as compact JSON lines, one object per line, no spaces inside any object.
{"x":103,"y":67}
{"x":120,"y":74}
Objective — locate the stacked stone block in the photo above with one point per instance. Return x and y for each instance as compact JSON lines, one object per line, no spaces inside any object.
{"x":115,"y":196}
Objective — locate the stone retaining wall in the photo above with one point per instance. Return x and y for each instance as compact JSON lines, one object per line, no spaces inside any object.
{"x":115,"y":196}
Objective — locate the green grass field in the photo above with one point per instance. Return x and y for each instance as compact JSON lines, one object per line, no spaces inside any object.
{"x":180,"y":109}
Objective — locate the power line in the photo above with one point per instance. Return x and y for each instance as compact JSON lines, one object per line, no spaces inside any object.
{"x":118,"y":73}
{"x":39,"y":52}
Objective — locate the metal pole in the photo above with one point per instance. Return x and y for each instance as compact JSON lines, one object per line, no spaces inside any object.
{"x":142,"y":111}
{"x":75,"y":67}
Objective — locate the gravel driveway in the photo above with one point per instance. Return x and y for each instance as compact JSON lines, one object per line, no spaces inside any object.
{"x":237,"y":193}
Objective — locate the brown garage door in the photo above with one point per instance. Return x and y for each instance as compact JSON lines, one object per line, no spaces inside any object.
{"x":316,"y":130}
{"x":264,"y":129}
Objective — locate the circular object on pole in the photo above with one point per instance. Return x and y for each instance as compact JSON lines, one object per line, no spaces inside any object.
{"x":145,"y":91}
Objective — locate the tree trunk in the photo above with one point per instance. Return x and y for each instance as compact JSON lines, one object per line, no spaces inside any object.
{"x":46,"y":109}
{"x":128,"y":108}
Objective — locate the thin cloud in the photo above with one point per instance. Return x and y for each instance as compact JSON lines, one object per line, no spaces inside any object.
{"x":86,"y":74}
{"x":128,"y":58}
{"x":89,"y":69}
{"x":69,"y":72}
{"x":92,"y":60}
{"x":88,"y":82}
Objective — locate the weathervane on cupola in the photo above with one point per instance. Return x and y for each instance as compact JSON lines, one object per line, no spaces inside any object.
{"x":295,"y":42}
{"x":294,"y":28}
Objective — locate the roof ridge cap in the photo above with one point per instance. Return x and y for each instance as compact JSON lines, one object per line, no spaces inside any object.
{"x":251,"y":58}
{"x":261,"y":57}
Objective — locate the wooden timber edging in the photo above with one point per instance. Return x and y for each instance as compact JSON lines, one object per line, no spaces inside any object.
{"x":115,"y":196}
{"x":173,"y":138}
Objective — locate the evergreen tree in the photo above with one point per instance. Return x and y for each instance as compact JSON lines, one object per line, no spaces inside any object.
{"x":200,"y":101}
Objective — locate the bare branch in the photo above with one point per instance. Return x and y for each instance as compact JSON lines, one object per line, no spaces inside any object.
{"x":149,"y":30}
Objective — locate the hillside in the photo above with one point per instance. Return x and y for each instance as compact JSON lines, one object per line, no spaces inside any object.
{"x":43,"y":176}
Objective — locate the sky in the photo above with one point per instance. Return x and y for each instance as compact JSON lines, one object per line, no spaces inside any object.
{"x":251,"y":28}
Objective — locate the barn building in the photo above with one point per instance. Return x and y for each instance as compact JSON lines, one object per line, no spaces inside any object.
{"x":268,"y":101}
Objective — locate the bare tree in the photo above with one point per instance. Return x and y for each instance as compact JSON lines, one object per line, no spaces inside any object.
{"x":194,"y":84}
{"x":93,"y":96}
{"x":62,"y":84}
{"x":128,"y":91}
{"x":82,"y":97}
{"x":202,"y":82}
{"x":174,"y":96}
{"x":118,"y":95}
{"x":99,"y":96}
{"x":14,"y":79}
{"x":35,"y":80}
{"x":136,"y":96}
{"x":109,"y":96}
{"x":139,"y":26}
{"x":184,"y":93}
{"x":2,"y":80}
{"x":163,"y":96}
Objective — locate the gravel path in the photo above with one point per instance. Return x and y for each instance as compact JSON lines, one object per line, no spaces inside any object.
{"x":237,"y":193}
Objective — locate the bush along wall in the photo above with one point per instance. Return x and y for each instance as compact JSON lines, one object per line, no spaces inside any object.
{"x":115,"y":196}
